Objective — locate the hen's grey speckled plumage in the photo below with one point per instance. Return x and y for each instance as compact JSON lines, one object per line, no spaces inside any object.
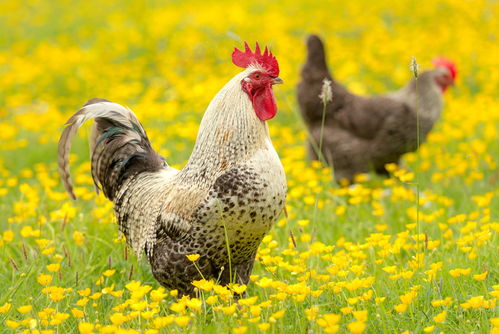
{"x":361,"y":133}
{"x":232,"y":188}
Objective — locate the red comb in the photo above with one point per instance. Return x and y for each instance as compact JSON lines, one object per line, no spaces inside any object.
{"x":248,"y":57}
{"x":442,"y":62}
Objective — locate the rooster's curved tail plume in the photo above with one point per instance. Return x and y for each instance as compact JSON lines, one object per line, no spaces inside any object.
{"x":119,"y":147}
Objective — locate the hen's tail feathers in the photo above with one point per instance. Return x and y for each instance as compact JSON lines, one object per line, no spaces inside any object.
{"x":316,"y":59}
{"x":119,"y":146}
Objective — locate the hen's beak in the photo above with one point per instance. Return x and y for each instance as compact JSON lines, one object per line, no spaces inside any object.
{"x":277,"y":80}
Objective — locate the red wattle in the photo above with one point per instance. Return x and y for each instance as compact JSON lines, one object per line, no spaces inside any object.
{"x":264,"y":103}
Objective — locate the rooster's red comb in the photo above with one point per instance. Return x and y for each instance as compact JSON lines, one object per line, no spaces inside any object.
{"x":442,"y":62}
{"x":248,"y":57}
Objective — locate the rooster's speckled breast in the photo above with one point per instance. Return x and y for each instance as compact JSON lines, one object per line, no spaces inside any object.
{"x":240,"y":207}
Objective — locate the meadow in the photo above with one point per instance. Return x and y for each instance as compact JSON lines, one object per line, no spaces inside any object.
{"x":417,"y":252}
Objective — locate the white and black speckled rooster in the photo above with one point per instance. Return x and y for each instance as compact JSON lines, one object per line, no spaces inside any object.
{"x":232,"y":188}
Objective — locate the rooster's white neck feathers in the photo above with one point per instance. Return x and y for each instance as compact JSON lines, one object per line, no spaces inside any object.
{"x":229,"y":132}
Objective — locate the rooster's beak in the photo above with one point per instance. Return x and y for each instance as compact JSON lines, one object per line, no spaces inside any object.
{"x":277,"y":80}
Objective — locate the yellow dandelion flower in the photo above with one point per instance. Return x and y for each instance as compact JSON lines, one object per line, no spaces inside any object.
{"x":429,"y":329}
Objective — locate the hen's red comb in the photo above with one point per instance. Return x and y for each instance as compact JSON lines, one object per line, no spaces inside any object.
{"x":451,"y":66}
{"x":248,"y":57}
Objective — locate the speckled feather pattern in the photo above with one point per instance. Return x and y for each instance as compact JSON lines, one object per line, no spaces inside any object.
{"x":233,"y":189}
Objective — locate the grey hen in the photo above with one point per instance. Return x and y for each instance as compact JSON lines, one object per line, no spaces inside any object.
{"x":364,"y":133}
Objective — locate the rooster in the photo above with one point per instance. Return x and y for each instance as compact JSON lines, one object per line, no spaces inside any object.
{"x":363,"y":133}
{"x":220,"y":205}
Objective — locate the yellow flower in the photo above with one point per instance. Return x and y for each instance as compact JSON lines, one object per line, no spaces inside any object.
{"x":440,"y":317}
{"x":278,"y":314}
{"x":263,"y":326}
{"x":118,"y":318}
{"x":480,"y":277}
{"x":194,"y":304}
{"x":182,"y":321}
{"x":204,"y":284}
{"x":357,"y":326}
{"x":58,"y":318}
{"x":86,"y":328}
{"x":400,"y":308}
{"x":95,"y":295}
{"x":158,"y":294}
{"x":238,"y":288}
{"x":303,"y":222}
{"x":248,"y":301}
{"x":193,"y":257}
{"x":161,"y":322}
{"x":77,"y":313}
{"x":360,"y":315}
{"x":84,"y":292}
{"x":12,"y":324}
{"x":24,"y":309}
{"x":8,"y":235}
{"x":79,"y":238}
{"x":211,"y":300}
{"x":109,"y":272}
{"x":240,"y":330}
{"x":53,"y":267}
{"x":346,"y":310}
{"x":429,"y":329}
{"x":5,"y":308}
{"x":229,"y":310}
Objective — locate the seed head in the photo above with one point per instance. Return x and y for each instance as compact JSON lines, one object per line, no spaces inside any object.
{"x":414,"y":67}
{"x":326,"y":94}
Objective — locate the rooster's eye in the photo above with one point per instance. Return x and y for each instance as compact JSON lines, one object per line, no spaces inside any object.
{"x":257,"y":76}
